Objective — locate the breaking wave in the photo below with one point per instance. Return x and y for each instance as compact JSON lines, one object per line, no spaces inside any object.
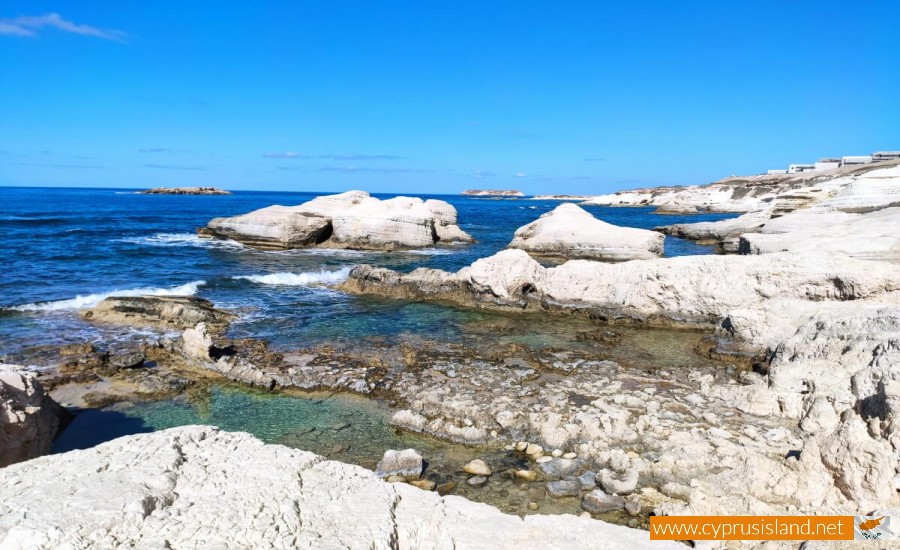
{"x":90,"y":300}
{"x":321,"y":277}
{"x":182,"y":239}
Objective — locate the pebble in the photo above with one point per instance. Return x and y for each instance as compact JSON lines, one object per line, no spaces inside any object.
{"x":543,"y":459}
{"x":424,"y":484}
{"x":598,"y":502}
{"x":527,"y":475}
{"x":570,"y":456}
{"x":532,"y":506}
{"x":556,"y":453}
{"x":584,"y":515}
{"x":395,"y":479}
{"x":476,"y":481}
{"x":633,"y":507}
{"x":533,"y":449}
{"x":521,"y":446}
{"x":477,"y":467}
{"x":446,"y":488}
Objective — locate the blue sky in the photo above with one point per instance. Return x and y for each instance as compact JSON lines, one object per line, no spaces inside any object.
{"x":428,"y":97}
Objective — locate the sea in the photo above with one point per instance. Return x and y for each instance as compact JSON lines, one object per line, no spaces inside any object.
{"x":66,"y":249}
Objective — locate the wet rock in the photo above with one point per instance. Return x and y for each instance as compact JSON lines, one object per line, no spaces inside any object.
{"x":588,"y":481}
{"x":598,"y":502}
{"x":446,"y":488}
{"x":620,"y":483}
{"x":71,"y":350}
{"x":557,"y":468}
{"x":521,"y":446}
{"x":173,"y":312}
{"x":527,"y":475}
{"x":532,"y":449}
{"x":633,"y":506}
{"x":99,"y":400}
{"x":127,"y":360}
{"x":563,"y":488}
{"x":477,"y":481}
{"x":537,"y":493}
{"x":407,"y":463}
{"x":424,"y":484}
{"x":533,"y":506}
{"x":477,"y":467}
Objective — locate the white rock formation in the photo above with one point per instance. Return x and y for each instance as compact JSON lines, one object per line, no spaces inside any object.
{"x":198,"y":487}
{"x":854,"y":215}
{"x":348,"y":220}
{"x":29,"y":418}
{"x":196,"y":342}
{"x":569,"y":231}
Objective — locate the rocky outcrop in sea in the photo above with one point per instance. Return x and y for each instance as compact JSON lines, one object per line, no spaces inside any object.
{"x":570,"y":232}
{"x":185,"y":191}
{"x":352,"y":220}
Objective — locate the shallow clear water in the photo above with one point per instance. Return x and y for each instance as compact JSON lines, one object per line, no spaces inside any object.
{"x":67,"y":248}
{"x":339,"y":426}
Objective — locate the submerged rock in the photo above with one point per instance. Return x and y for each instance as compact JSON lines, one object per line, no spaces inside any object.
{"x":571,"y":232}
{"x":477,"y":467}
{"x":564,"y":488}
{"x":598,"y":502}
{"x":177,"y":312}
{"x":348,"y":220}
{"x":29,"y":417}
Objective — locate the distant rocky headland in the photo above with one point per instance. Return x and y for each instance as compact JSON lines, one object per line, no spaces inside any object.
{"x":185,"y":191}
{"x":493,"y":193}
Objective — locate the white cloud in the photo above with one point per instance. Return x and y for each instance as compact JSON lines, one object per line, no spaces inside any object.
{"x":28,"y":25}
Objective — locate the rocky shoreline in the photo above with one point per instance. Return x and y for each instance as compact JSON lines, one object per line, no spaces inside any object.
{"x":788,"y":403}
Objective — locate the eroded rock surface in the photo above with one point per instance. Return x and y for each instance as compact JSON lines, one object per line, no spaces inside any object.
{"x":570,"y":232}
{"x":173,"y":312}
{"x":29,"y":418}
{"x":198,"y":487}
{"x":348,"y":220}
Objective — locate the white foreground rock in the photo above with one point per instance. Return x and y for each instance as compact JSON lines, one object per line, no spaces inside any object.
{"x":29,"y":418}
{"x":569,"y":231}
{"x":198,"y":487}
{"x":348,"y":220}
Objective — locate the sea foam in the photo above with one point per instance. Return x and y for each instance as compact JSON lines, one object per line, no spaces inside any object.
{"x":321,"y":277}
{"x":90,"y":300}
{"x":182,"y":239}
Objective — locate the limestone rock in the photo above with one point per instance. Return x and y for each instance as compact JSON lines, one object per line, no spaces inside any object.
{"x":564,"y":488}
{"x":29,"y":417}
{"x":177,"y":312}
{"x":348,"y":220}
{"x":477,"y":467}
{"x":196,"y":342}
{"x":569,"y":231}
{"x":406,"y":463}
{"x":197,"y":487}
{"x":598,"y":502}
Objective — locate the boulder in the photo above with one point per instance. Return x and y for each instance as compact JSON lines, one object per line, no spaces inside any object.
{"x":564,"y":488}
{"x":198,"y":487}
{"x":571,"y":232}
{"x":407,"y":463}
{"x":598,"y":502}
{"x":130,"y":359}
{"x":353,"y":220}
{"x":172,"y":312}
{"x":274,"y":227}
{"x":477,"y":467}
{"x":29,"y":417}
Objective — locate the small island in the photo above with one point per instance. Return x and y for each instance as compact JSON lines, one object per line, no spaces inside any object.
{"x":185,"y":191}
{"x":493,"y":193}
